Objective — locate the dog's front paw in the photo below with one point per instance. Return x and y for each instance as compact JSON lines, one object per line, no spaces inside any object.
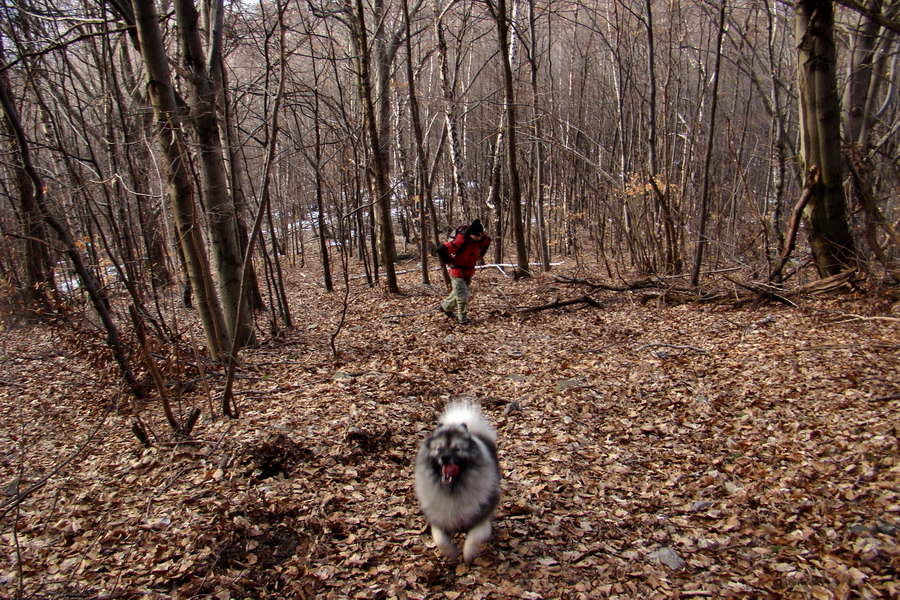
{"x":450,"y":551}
{"x":475,"y":538}
{"x":445,"y":543}
{"x":471,"y":550}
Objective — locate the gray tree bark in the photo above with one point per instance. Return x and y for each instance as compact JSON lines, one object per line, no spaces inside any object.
{"x":181,"y":194}
{"x":515,"y":190}
{"x":704,"y":198}
{"x":203,"y":90}
{"x":380,"y":176}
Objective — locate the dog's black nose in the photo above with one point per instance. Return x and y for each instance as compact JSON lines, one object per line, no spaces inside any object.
{"x":446,"y":459}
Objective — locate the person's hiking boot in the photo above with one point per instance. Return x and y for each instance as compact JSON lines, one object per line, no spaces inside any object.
{"x":464,"y":321}
{"x":448,"y":313}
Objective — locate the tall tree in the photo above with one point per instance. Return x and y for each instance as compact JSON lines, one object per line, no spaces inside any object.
{"x":863,"y":104}
{"x":501,"y":18}
{"x":820,"y":136}
{"x":537,"y":117}
{"x":780,"y":143}
{"x":181,"y":193}
{"x":316,"y":164}
{"x":704,"y":198}
{"x":864,"y":78}
{"x":201,"y":72}
{"x":448,"y":88}
{"x":660,"y":194}
{"x":380,"y":176}
{"x":423,"y":181}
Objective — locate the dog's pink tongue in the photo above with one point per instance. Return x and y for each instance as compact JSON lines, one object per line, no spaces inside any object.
{"x":451,"y":470}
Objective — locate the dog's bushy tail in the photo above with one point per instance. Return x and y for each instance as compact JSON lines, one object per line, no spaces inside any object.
{"x":468,"y":413}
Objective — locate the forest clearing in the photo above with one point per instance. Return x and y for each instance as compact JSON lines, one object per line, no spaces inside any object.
{"x":648,"y":449}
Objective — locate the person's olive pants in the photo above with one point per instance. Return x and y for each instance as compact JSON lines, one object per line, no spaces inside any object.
{"x":458,"y":300}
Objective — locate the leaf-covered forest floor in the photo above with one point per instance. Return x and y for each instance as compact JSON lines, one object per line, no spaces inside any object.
{"x":648,"y":450}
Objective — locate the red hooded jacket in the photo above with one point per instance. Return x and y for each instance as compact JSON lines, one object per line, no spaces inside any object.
{"x":465,"y":253}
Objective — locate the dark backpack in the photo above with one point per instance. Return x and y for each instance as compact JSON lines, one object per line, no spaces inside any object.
{"x":443,"y":251}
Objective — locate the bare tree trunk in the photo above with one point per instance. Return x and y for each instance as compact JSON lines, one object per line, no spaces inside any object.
{"x":138,"y":157}
{"x":779,"y":142}
{"x":449,"y":92}
{"x":704,"y":197}
{"x":203,"y":91}
{"x":672,"y":257}
{"x":181,"y":195}
{"x":234,"y":166}
{"x":862,"y":75}
{"x":432,"y":213}
{"x":652,"y":163}
{"x":494,"y":201}
{"x":515,"y":191}
{"x":867,"y":72}
{"x":424,"y":185}
{"x":229,"y":405}
{"x":320,"y":203}
{"x":820,"y":136}
{"x":384,"y":231}
{"x":538,"y":142}
{"x":384,"y":49}
{"x":495,"y":171}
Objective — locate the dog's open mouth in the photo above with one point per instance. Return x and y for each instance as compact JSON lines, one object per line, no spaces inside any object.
{"x":449,"y":473}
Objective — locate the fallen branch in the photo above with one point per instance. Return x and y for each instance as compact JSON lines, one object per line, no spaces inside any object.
{"x":637,"y":284}
{"x":829,"y":284}
{"x":773,"y":291}
{"x":498,"y":266}
{"x":854,"y":317}
{"x":763,"y":290}
{"x":812,"y":181}
{"x":563,"y":303}
{"x":512,"y":266}
{"x":885,"y":398}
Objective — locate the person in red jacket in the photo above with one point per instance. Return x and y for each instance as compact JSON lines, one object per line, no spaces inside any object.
{"x":462,"y":253}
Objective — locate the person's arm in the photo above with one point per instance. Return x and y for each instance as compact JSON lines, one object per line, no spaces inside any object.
{"x":485,"y":244}
{"x":443,"y":253}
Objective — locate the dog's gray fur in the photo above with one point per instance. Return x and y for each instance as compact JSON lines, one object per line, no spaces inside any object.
{"x":461,"y":498}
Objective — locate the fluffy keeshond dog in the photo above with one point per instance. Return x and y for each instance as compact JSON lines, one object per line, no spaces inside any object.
{"x":458,"y":479}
